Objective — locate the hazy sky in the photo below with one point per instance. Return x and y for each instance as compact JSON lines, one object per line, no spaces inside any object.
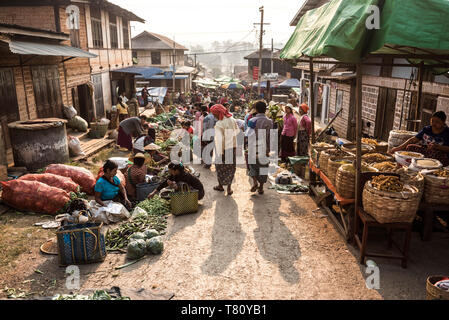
{"x":204,"y":21}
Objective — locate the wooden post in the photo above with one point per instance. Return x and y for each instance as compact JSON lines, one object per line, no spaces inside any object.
{"x":418,"y":110}
{"x":312,"y":98}
{"x":358,"y":186}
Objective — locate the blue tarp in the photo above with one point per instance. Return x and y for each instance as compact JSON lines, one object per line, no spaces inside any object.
{"x":165,"y":77}
{"x":263,"y":85}
{"x":145,"y":72}
{"x":290,"y":83}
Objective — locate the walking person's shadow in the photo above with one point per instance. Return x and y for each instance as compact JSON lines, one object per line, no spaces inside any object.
{"x":227,"y":236}
{"x":274,"y":240}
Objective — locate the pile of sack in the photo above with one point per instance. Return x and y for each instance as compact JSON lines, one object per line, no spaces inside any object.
{"x":50,"y":191}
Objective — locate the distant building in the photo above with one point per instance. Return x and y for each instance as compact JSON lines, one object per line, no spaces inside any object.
{"x":283,"y":68}
{"x":154,"y":50}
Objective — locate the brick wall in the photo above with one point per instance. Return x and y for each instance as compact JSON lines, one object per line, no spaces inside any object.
{"x":35,"y":17}
{"x":370,"y":96}
{"x":402,"y":106}
{"x":341,"y":124}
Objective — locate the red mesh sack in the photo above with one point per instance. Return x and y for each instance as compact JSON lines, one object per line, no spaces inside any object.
{"x":79,"y":175}
{"x":53,"y":180}
{"x":119,"y":175}
{"x":34,"y":196}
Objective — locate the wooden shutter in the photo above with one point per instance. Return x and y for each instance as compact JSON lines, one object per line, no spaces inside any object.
{"x":47,"y":91}
{"x":9,"y":111}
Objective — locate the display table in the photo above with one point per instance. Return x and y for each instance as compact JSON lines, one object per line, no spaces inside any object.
{"x":343,"y":216}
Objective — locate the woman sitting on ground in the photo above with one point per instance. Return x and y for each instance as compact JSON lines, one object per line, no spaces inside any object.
{"x":108,"y":187}
{"x":142,"y":141}
{"x":177,"y":177}
{"x":135,"y":174}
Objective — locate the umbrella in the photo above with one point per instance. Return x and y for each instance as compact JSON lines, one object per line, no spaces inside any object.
{"x":232,"y":85}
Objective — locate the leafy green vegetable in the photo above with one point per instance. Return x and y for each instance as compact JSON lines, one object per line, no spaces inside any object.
{"x":136,"y":249}
{"x":155,"y":245}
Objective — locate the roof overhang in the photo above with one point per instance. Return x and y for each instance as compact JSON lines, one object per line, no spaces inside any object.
{"x":306,"y":6}
{"x":16,"y":30}
{"x":41,"y":49}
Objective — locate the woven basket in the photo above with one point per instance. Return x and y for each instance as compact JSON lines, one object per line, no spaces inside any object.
{"x":345,"y":180}
{"x":433,"y":292}
{"x":436,"y":189}
{"x":333,"y":165}
{"x":98,"y":130}
{"x":315,"y":153}
{"x":381,"y":147}
{"x":391,"y":207}
{"x":322,"y":161}
{"x":412,"y":178}
{"x":352,"y":148}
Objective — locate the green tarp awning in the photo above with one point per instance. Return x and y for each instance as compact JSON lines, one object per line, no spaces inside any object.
{"x":338,"y":30}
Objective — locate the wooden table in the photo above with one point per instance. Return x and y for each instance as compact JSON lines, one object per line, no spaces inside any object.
{"x":368,"y":222}
{"x":342,"y":218}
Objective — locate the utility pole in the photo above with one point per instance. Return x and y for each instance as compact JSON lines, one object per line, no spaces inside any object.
{"x":261,"y":9}
{"x":174,"y":69}
{"x":272,"y":49}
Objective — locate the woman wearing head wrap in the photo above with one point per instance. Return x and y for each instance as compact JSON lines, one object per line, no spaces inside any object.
{"x":304,"y":131}
{"x":226,"y":131}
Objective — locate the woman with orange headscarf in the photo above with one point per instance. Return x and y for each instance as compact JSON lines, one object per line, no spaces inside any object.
{"x":226,"y":131}
{"x":304,"y":131}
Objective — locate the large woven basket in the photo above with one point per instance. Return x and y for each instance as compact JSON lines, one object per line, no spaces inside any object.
{"x":381,"y":147}
{"x":315,"y":153}
{"x":322,"y":161}
{"x":412,"y":178}
{"x":436,"y":189}
{"x":352,"y":148}
{"x":333,"y":165}
{"x":391,"y":207}
{"x":345,"y":180}
{"x":433,"y":292}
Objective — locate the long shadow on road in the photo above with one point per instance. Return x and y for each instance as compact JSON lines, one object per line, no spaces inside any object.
{"x":274,"y":240}
{"x":227,"y":236}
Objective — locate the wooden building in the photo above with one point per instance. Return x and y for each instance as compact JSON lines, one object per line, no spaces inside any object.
{"x":388,"y":94}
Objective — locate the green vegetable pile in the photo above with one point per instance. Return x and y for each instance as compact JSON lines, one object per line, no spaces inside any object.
{"x":167,"y":143}
{"x":97,"y":295}
{"x":156,"y":218}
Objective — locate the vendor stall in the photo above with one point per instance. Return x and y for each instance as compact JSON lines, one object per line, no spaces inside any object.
{"x":337,"y":30}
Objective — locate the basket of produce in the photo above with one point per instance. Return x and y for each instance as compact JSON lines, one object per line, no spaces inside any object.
{"x":376,"y":157}
{"x":437,"y":288}
{"x":385,"y":166}
{"x":98,"y":130}
{"x":436,"y":186}
{"x":316,"y":150}
{"x":326,"y":154}
{"x":352,"y":148}
{"x":334,"y":163}
{"x":81,"y":244}
{"x":398,"y":137}
{"x":425,"y":164}
{"x":345,"y":180}
{"x":388,"y":200}
{"x":412,"y":178}
{"x":379,"y":146}
{"x":404,"y":158}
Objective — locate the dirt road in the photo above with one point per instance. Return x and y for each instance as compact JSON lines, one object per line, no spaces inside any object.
{"x":243,"y":247}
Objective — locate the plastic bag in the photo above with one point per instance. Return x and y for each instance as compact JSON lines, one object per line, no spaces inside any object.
{"x":113,"y":212}
{"x":79,"y":175}
{"x":138,"y":212}
{"x":105,"y":121}
{"x":69,"y":112}
{"x":75,"y":147}
{"x":78,"y":123}
{"x":34,"y":196}
{"x":53,"y":180}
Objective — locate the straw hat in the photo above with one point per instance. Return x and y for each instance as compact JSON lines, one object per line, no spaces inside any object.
{"x":139,"y":155}
{"x":152,"y":147}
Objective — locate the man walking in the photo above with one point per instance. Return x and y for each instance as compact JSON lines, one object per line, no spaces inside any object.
{"x":258,"y":133}
{"x":208,"y":137}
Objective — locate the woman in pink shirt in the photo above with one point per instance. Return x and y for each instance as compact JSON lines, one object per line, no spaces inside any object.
{"x":288,"y":133}
{"x":304,"y":131}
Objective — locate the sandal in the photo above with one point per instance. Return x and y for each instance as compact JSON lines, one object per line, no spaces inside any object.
{"x":217,"y":188}
{"x":230,"y":193}
{"x":254,"y":188}
{"x":261,"y":191}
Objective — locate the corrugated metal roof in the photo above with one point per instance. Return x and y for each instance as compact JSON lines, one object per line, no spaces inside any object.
{"x":41,"y":49}
{"x":146,"y":72}
{"x":266,"y":54}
